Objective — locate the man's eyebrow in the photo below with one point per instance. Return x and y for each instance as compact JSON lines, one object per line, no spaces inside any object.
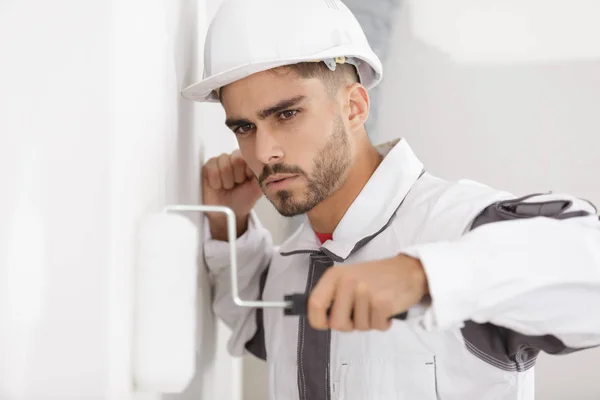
{"x":267,"y":112}
{"x":282,"y":105}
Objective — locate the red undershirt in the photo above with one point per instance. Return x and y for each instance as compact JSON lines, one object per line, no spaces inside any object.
{"x":323,"y":237}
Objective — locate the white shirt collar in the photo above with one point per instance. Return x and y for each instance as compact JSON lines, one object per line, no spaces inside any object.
{"x":373,"y":207}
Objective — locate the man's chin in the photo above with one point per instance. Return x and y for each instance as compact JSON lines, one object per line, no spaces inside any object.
{"x":291,"y":213}
{"x":289,"y":208}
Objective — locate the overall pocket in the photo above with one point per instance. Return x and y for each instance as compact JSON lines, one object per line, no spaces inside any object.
{"x":411,"y":377}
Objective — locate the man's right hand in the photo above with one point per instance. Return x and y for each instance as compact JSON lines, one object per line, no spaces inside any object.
{"x":228,"y":181}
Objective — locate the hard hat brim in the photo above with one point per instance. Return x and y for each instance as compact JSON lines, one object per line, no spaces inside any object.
{"x":204,"y":90}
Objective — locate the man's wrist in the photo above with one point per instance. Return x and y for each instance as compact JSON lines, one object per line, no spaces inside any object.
{"x":219,"y":231}
{"x":417,"y":273}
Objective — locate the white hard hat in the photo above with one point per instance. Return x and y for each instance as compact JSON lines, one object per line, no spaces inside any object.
{"x":249,"y":36}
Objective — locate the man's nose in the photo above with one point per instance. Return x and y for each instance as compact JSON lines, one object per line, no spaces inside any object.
{"x":268,"y":150}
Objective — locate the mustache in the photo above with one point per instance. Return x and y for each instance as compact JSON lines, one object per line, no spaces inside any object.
{"x":269,"y":170}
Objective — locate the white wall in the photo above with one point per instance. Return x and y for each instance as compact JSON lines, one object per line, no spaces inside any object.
{"x":93,"y":136}
{"x":54,"y":202}
{"x":525,"y":126}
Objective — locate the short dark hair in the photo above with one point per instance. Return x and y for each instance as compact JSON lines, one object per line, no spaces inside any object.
{"x":343,"y":74}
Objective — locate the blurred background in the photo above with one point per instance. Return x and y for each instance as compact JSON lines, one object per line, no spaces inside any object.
{"x":94,"y":134}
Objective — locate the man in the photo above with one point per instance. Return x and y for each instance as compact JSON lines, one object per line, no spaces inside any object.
{"x":487,"y":280}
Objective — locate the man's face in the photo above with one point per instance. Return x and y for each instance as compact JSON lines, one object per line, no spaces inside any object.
{"x":292,"y":136}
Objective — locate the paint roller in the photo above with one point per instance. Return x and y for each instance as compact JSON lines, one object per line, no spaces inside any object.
{"x":164,"y":345}
{"x":165,"y":297}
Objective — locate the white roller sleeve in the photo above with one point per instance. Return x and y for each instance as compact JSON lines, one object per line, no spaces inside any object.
{"x":165,"y":301}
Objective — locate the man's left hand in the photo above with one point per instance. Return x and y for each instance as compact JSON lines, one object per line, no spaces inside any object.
{"x":365,"y":296}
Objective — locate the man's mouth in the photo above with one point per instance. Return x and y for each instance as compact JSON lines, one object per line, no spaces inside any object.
{"x":279,"y":182}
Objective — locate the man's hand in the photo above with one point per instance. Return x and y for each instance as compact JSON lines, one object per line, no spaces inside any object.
{"x":365,"y":296}
{"x":228,"y":181}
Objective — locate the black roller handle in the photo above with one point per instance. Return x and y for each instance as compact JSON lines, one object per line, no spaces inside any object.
{"x":299,"y":306}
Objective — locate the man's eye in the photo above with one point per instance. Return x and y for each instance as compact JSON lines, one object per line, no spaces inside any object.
{"x":288,"y":114}
{"x":241,"y":130}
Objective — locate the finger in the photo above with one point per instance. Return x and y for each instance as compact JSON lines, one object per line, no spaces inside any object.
{"x":226,"y":171}
{"x":362,"y":309}
{"x":381,"y":311}
{"x":239,"y":167}
{"x":340,"y":318}
{"x":320,"y":299}
{"x":212,"y":174}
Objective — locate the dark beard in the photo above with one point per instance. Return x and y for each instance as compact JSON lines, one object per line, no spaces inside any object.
{"x":329,"y":168}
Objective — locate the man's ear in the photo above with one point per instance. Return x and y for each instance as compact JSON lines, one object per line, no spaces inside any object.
{"x":357,"y":105}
